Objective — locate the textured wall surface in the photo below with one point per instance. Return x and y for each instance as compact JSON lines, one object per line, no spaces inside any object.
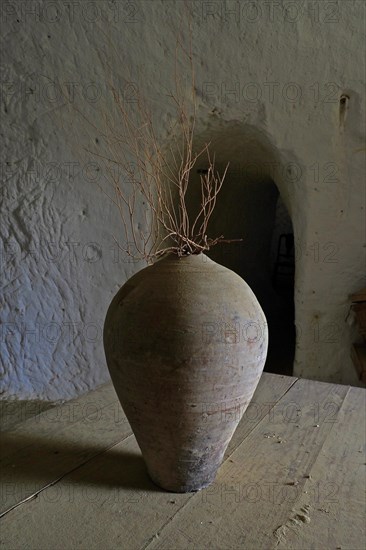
{"x":269,"y":77}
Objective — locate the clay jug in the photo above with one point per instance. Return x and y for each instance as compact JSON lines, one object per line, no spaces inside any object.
{"x":186,"y":342}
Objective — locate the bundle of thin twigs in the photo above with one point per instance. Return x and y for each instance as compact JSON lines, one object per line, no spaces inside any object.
{"x":159,"y":176}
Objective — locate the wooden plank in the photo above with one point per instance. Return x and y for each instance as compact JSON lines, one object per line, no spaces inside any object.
{"x":41,"y":423}
{"x":110,"y":498}
{"x":13,"y":413}
{"x":108,"y":503}
{"x":359,"y":296}
{"x":270,"y":390}
{"x":49,"y":446}
{"x":259,"y":485}
{"x":334,"y":495}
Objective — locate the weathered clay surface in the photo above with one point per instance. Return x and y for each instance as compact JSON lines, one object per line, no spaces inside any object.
{"x":186,"y":342}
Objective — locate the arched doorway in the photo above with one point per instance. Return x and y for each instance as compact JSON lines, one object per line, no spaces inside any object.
{"x":250,"y":207}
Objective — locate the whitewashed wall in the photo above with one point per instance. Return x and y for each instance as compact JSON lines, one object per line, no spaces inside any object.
{"x":270,"y":76}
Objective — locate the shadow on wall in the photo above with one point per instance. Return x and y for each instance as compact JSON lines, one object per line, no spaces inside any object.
{"x":250,"y":207}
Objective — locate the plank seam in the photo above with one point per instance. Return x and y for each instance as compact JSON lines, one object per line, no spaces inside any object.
{"x":35,"y":495}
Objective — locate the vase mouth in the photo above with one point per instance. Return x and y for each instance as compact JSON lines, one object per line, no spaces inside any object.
{"x":173,"y":257}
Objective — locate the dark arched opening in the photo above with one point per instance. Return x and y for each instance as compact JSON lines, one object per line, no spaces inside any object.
{"x":281,"y":312}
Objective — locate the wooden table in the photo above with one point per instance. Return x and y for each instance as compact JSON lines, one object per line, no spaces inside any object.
{"x":293,"y":477}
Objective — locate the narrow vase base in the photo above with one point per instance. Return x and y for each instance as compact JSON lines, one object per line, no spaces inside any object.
{"x":192,"y":486}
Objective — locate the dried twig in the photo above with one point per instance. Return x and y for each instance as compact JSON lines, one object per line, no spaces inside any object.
{"x":159,"y":177}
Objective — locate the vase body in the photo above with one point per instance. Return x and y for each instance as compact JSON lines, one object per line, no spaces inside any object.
{"x":185,"y":341}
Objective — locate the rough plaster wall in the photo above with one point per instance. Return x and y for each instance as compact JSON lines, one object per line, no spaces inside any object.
{"x":279,"y":68}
